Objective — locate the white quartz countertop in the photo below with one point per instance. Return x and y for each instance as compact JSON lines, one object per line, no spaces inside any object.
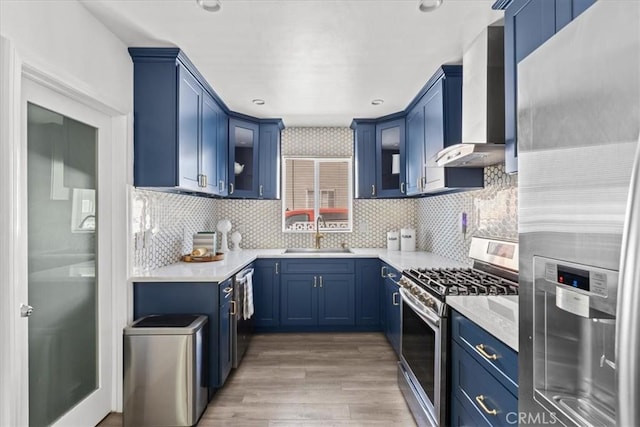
{"x":234,"y":261}
{"x":497,"y":315}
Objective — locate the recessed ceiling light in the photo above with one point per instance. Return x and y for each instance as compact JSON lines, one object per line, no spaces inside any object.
{"x":258,"y":101}
{"x":429,"y":5}
{"x":377,"y":101}
{"x":210,"y":5}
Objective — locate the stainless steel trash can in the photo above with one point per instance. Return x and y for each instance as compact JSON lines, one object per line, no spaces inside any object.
{"x":165,"y":370}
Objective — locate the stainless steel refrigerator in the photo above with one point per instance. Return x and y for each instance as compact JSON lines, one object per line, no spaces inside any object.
{"x":578,"y":135}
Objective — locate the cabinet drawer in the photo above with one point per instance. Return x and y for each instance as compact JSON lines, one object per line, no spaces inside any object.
{"x":498,"y":358}
{"x":319,"y":266}
{"x":464,"y":415}
{"x":474,"y":386}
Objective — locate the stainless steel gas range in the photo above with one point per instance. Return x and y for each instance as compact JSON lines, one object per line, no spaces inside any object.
{"x":423,"y":369}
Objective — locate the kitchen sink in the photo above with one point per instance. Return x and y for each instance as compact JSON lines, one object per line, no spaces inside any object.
{"x":318,"y":251}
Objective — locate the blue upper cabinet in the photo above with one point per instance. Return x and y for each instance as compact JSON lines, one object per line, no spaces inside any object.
{"x":527,"y":25}
{"x":243,"y":158}
{"x":179,"y":125}
{"x":183,"y":139}
{"x":379,"y":149}
{"x":390,"y":148}
{"x":269,"y":161}
{"x":254,"y":158}
{"x":365,"y":157}
{"x":434,"y":122}
{"x":415,"y":148}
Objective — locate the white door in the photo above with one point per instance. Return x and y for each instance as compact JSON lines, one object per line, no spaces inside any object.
{"x":67,"y":259}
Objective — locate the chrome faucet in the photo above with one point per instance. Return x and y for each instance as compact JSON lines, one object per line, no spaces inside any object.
{"x":318,"y":235}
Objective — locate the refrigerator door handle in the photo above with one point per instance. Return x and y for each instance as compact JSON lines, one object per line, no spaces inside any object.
{"x":628,"y":308}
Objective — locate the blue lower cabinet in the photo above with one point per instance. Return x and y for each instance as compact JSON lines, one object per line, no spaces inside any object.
{"x":367,"y":292}
{"x":462,"y":417}
{"x":393,"y":315}
{"x":266,"y":293}
{"x":336,"y":300}
{"x":484,"y":379}
{"x":317,"y":300}
{"x":299,"y":300}
{"x":190,"y":297}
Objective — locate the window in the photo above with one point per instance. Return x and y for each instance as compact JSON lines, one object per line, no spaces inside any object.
{"x":316,"y":186}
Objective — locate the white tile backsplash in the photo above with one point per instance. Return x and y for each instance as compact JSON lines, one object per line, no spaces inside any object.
{"x":173,"y":218}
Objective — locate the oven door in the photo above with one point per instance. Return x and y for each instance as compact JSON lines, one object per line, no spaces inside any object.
{"x":423,"y":360}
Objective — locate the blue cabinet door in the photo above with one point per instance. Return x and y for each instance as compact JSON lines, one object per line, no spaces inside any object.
{"x":415,"y":149}
{"x":475,"y":387}
{"x":243,"y":158}
{"x":189,"y":104}
{"x":390,"y":142}
{"x":336,"y":299}
{"x":298,"y":300}
{"x":364,"y":166}
{"x":222,"y":154}
{"x":225,"y":337}
{"x":393,"y":314}
{"x":266,"y":293}
{"x":210,"y":142}
{"x":269,"y":161}
{"x":568,"y":10}
{"x":179,"y":298}
{"x":367,"y":292}
{"x":433,"y":137}
{"x":527,"y":25}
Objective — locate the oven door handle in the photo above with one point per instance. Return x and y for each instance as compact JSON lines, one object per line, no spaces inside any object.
{"x":431,"y":319}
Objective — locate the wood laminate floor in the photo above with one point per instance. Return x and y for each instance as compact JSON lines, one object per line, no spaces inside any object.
{"x":316,"y":379}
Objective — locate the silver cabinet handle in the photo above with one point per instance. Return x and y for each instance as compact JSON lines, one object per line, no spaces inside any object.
{"x":402,"y":187}
{"x":204,"y":180}
{"x":25,"y":310}
{"x":315,"y":280}
{"x":228,"y":290}
{"x":373,"y":190}
{"x":231,"y":188}
{"x":260,"y":190}
{"x":383,"y":272}
{"x":418,"y":184}
{"x":234,"y":310}
{"x":320,"y":281}
{"x":393,"y":299}
{"x":277,"y":268}
{"x":221,"y":186}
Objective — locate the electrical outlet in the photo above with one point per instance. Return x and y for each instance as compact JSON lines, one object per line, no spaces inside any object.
{"x":139,"y":238}
{"x":241,"y":228}
{"x":363,"y":227}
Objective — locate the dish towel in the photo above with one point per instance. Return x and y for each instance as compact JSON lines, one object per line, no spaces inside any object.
{"x":248,"y":295}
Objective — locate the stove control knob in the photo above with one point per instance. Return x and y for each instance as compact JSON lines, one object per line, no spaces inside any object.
{"x":414,"y":290}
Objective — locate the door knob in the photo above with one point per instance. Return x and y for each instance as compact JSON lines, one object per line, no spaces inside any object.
{"x":25,"y":310}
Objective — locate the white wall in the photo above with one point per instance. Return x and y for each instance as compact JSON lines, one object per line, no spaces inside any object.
{"x":63,"y":38}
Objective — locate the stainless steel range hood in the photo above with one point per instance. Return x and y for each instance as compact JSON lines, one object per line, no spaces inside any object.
{"x":482,"y":104}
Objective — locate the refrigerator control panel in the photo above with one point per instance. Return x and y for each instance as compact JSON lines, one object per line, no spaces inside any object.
{"x":590,"y":280}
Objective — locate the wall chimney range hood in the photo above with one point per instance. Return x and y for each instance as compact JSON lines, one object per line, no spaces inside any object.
{"x":482,"y":104}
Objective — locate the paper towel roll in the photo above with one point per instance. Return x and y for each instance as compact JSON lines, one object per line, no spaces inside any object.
{"x":407,"y":239}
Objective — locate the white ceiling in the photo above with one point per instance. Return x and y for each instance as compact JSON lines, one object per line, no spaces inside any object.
{"x":315,"y":63}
